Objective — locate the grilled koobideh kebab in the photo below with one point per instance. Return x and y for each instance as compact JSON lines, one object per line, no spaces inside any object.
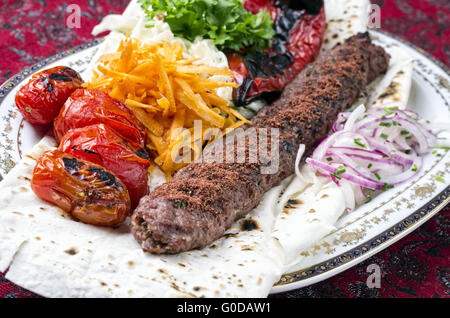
{"x":204,"y":199}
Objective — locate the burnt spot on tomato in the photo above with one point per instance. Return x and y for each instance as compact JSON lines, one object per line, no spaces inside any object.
{"x":108,"y":178}
{"x":72,"y":73}
{"x":249,"y":225}
{"x":72,"y":165}
{"x":48,"y":85}
{"x":60,"y":77}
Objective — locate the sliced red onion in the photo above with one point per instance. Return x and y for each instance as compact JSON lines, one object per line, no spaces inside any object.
{"x":373,"y":149}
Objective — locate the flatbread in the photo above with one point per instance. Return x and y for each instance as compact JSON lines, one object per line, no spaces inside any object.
{"x":44,"y":250}
{"x":51,"y":254}
{"x":345,"y":18}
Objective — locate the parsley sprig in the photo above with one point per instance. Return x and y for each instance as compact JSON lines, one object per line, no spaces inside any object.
{"x":226,"y":22}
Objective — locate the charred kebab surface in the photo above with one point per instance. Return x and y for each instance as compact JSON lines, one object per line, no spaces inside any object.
{"x":204,"y":199}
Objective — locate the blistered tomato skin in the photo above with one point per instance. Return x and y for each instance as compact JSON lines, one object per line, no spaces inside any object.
{"x":89,"y":107}
{"x":87,"y":191}
{"x":40,"y":100}
{"x":102,"y":145}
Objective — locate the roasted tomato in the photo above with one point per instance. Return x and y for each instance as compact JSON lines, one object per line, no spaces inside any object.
{"x":42,"y":97}
{"x":87,"y":191}
{"x":89,"y":107}
{"x":299,"y":30}
{"x":102,"y":145}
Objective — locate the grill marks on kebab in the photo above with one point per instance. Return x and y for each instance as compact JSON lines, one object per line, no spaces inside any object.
{"x":204,"y":199}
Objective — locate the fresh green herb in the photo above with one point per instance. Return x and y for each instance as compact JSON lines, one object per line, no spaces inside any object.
{"x":226,"y":22}
{"x":440,"y":179}
{"x":404,"y":132}
{"x":369,"y":166}
{"x":359,"y":143}
{"x":385,"y":124}
{"x":377,"y":175}
{"x":337,"y":173}
{"x":407,"y":151}
{"x":408,"y":137}
{"x":384,"y":136}
{"x":443,"y":147}
{"x":414,"y":168}
{"x":388,"y":111}
{"x":329,"y":159}
{"x":387,"y":186}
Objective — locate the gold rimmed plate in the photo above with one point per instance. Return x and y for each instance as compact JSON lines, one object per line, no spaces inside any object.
{"x":359,"y":234}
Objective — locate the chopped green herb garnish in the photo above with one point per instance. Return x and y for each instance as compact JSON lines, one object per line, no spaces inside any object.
{"x":442,"y":147}
{"x":428,"y":121}
{"x":369,"y":166}
{"x":359,"y":143}
{"x":388,"y":111}
{"x":440,"y":179}
{"x":329,"y":159}
{"x":414,"y":168}
{"x":387,"y":186}
{"x":385,"y":124}
{"x":404,"y":132}
{"x":226,"y":22}
{"x":337,"y":173}
{"x":408,"y":137}
{"x":407,"y":151}
{"x":377,"y":175}
{"x":384,"y":136}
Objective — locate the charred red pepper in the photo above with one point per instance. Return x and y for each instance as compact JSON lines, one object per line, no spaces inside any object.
{"x":102,"y":145}
{"x":299,"y":27}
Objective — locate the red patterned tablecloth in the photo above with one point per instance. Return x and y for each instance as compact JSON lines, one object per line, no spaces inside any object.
{"x":416,"y":266}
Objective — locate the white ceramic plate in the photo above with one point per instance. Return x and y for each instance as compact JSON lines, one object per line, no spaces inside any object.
{"x":360,"y":234}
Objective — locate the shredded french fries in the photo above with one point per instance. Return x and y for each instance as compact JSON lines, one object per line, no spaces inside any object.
{"x":168,"y":93}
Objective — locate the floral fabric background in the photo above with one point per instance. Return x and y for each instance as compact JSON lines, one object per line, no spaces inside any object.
{"x":416,"y":266}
